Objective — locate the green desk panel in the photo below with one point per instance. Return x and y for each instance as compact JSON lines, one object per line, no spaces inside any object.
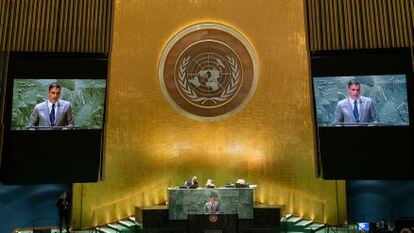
{"x":182,"y":202}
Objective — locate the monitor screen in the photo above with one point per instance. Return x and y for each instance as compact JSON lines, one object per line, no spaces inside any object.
{"x":79,"y":104}
{"x":362,"y":108}
{"x":380,"y":100}
{"x":363,"y":226}
{"x":53,"y":118}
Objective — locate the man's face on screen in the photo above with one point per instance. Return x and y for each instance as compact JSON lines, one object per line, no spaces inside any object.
{"x":354,"y":91}
{"x":54,"y":94}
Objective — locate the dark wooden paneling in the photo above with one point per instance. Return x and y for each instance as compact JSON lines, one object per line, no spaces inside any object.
{"x":359,"y":24}
{"x":56,"y":25}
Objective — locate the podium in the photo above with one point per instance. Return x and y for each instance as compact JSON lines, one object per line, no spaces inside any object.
{"x":185,"y":213}
{"x":183,"y":202}
{"x":212,"y":223}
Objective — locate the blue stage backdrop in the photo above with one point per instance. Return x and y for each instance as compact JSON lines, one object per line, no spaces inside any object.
{"x":373,"y":200}
{"x":21,"y":204}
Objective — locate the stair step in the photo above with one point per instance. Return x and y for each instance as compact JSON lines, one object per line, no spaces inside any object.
{"x":106,"y":230}
{"x":118,"y":227}
{"x":322,"y":230}
{"x":286,"y":217}
{"x":304,"y":223}
{"x":294,"y":220}
{"x":132,"y":218}
{"x":315,"y":227}
{"x":127,"y":223}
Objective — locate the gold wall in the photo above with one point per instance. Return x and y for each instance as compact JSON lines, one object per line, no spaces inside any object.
{"x":149,"y":146}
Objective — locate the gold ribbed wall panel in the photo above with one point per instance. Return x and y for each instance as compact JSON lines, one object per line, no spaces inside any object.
{"x":150,"y":146}
{"x":55,"y":25}
{"x":359,"y":24}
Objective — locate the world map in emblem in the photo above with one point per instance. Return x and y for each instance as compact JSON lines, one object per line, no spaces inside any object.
{"x":211,"y":78}
{"x":208,"y":72}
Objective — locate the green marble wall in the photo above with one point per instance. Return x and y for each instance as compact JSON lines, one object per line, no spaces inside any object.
{"x":182,"y":202}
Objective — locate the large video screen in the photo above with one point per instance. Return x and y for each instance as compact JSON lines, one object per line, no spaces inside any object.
{"x":362,"y":108}
{"x":58,"y":104}
{"x":53,"y":118}
{"x":363,"y":100}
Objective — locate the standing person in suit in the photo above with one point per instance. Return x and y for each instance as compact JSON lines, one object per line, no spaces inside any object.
{"x":62,"y":203}
{"x":212,"y":206}
{"x":52,"y":112}
{"x":356,"y":108}
{"x":382,"y":226}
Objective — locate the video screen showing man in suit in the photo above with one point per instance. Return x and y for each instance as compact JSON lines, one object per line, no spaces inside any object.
{"x":53,"y":113}
{"x":355,"y":108}
{"x":364,"y":100}
{"x":58,"y":104}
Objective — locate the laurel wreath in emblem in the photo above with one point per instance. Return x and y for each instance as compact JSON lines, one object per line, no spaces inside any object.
{"x":213,"y":217}
{"x":221,"y":97}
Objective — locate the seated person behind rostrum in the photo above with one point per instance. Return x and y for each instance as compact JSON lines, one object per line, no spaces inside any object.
{"x":209,"y":184}
{"x":240,"y":183}
{"x":192,"y":183}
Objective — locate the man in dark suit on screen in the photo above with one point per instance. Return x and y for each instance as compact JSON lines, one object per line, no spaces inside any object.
{"x":53,"y":113}
{"x":355,"y":109}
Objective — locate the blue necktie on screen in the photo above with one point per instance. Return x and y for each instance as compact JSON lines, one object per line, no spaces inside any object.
{"x":52,"y":115}
{"x":356,"y":114}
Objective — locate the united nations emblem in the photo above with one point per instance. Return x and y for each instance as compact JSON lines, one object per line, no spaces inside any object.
{"x":208,"y":72}
{"x":213,"y":217}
